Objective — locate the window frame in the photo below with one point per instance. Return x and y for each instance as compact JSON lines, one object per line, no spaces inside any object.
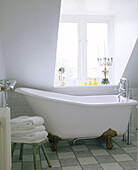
{"x":82,"y":21}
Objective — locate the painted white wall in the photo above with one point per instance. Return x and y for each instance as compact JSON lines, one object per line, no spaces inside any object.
{"x":2,"y":65}
{"x":2,"y":70}
{"x":131,"y":70}
{"x":29,"y":32}
{"x":94,"y":7}
{"x":125,"y":36}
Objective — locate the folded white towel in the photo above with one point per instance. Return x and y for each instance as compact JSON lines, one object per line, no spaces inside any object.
{"x":33,"y":138}
{"x":20,"y":132}
{"x":26,"y":122}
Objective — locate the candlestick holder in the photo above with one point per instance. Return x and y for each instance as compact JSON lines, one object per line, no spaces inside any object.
{"x":105,"y":62}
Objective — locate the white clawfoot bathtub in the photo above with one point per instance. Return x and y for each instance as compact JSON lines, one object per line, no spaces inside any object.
{"x":79,"y":116}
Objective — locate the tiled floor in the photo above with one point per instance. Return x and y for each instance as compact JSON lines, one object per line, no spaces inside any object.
{"x":86,"y":155}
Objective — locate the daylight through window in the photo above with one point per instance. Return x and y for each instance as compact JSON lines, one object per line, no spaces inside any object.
{"x":80,"y":42}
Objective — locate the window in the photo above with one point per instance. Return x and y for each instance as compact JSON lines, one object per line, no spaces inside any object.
{"x":67,"y":49}
{"x":81,"y":40}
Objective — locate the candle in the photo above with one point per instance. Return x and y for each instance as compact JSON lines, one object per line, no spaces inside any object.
{"x":98,"y":51}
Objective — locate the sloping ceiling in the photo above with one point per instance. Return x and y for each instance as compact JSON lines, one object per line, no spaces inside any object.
{"x":29,"y":38}
{"x":131,"y":70}
{"x":94,"y":7}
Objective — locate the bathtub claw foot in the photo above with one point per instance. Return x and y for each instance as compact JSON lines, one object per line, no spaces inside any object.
{"x":54,"y":140}
{"x":107,"y":135}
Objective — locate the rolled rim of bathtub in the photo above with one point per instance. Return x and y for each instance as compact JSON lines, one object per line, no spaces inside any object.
{"x":72,"y":99}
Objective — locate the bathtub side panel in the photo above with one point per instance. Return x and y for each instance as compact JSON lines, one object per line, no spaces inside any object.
{"x":75,"y":121}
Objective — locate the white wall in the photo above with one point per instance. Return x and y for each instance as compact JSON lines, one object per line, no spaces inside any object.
{"x":131,"y":70}
{"x":29,"y":32}
{"x":94,"y":7}
{"x":2,"y":69}
{"x":2,"y":66}
{"x":125,"y":36}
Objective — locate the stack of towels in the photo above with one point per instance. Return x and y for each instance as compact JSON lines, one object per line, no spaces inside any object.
{"x":25,"y":129}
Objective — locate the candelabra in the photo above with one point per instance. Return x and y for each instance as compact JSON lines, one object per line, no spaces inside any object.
{"x":105,"y":62}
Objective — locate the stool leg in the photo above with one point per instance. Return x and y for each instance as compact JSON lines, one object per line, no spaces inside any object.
{"x":13,"y":148}
{"x":34,"y":155}
{"x":46,"y":156}
{"x":21,"y":152}
{"x":124,"y":137}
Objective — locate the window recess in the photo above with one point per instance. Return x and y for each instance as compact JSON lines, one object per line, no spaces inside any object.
{"x":81,"y":40}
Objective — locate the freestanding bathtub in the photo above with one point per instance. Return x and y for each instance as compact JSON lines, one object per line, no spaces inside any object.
{"x":79,"y":116}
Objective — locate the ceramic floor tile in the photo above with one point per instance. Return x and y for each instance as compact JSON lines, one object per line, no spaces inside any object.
{"x":122,"y":157}
{"x":82,"y":154}
{"x":130,"y":149}
{"x":53,"y":168}
{"x":17,"y":152}
{"x":48,"y":150}
{"x":128,"y":165}
{"x":29,"y":151}
{"x":124,"y":144}
{"x":16,"y":158}
{"x":111,"y":166}
{"x":30,"y":157}
{"x":30,"y":165}
{"x":134,"y":143}
{"x":100,"y":138}
{"x":91,"y":141}
{"x":52,"y":156}
{"x":72,"y":168}
{"x":85,"y":155}
{"x":55,"y":163}
{"x":63,"y":143}
{"x":117,"y":138}
{"x":133,"y":138}
{"x":95,"y":146}
{"x":64,"y":149}
{"x":16,"y":166}
{"x":66,"y":155}
{"x":47,"y":144}
{"x":114,"y":145}
{"x":134,"y":155}
{"x":99,"y":152}
{"x":27,"y":146}
{"x":92,"y":167}
{"x":116,"y":151}
{"x":79,"y":148}
{"x":17,"y":146}
{"x":87,"y":160}
{"x":105,"y":159}
{"x":69,"y":162}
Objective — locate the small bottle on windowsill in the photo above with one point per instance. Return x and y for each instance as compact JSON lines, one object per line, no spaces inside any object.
{"x":90,"y":83}
{"x":95,"y":82}
{"x":85,"y":84}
